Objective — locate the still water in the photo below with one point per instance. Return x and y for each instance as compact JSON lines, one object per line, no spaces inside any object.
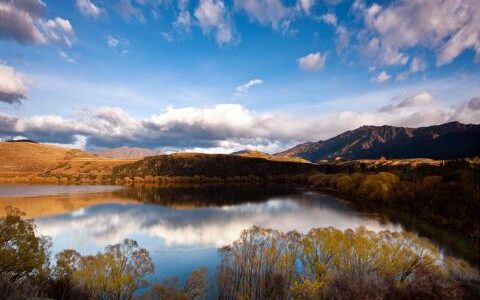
{"x":182,"y":227}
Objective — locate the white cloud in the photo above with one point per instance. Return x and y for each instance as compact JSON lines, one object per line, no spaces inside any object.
{"x":13,"y":85}
{"x":266,"y":12}
{"x":112,"y":42}
{"x":67,"y":57}
{"x":183,"y":21}
{"x":329,"y":18}
{"x":88,"y":8}
{"x":421,"y":99}
{"x":228,"y":127}
{"x":18,"y":21}
{"x":381,"y":77}
{"x":417,"y":65}
{"x":243,"y":89}
{"x":312,"y":61}
{"x":446,"y":27}
{"x":130,"y":11}
{"x":118,"y":44}
{"x":59,"y":31}
{"x":343,"y":39}
{"x":383,"y":54}
{"x":213,"y":17}
{"x":306,"y":5}
{"x":23,"y":21}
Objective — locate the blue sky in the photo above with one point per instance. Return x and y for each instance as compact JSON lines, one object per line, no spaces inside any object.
{"x":218,"y":76}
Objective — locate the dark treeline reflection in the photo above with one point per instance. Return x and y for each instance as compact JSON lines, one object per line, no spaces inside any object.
{"x":205,"y":195}
{"x":325,"y":263}
{"x":452,"y":242}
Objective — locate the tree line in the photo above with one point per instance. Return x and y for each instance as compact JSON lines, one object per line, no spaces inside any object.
{"x":447,"y":196}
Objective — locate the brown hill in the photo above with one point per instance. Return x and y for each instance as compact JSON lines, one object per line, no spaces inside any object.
{"x":255,"y":153}
{"x":446,"y":141}
{"x":127,"y":152}
{"x":218,"y":166}
{"x":23,"y":159}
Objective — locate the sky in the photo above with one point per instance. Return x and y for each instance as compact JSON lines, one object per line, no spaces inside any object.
{"x":223,"y":75}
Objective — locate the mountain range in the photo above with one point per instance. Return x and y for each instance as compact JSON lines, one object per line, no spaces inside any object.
{"x":445,"y":141}
{"x":127,"y":152}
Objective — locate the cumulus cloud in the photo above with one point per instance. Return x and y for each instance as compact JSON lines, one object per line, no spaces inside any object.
{"x":18,"y":21}
{"x":383,"y":54}
{"x":468,"y":112}
{"x":446,"y":27}
{"x":59,"y":31}
{"x":88,"y":8}
{"x":228,"y":127}
{"x":381,"y":77}
{"x":213,"y":18}
{"x":243,"y":89}
{"x":13,"y":85}
{"x":420,"y":99}
{"x":23,"y":21}
{"x":268,"y":12}
{"x":474,"y":104}
{"x":312,"y":61}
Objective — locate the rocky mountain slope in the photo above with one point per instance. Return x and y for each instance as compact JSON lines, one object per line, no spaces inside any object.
{"x":446,"y":141}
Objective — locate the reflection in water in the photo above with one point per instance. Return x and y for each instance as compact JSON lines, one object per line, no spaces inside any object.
{"x":212,"y":227}
{"x":182,"y":227}
{"x":17,"y":190}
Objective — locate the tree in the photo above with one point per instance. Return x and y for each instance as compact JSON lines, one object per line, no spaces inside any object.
{"x":196,"y":284}
{"x":23,"y":254}
{"x":195,"y":287}
{"x":117,"y":273}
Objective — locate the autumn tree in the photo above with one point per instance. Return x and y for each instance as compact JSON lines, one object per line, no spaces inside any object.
{"x":117,"y":273}
{"x":23,"y":254}
{"x":194,"y":289}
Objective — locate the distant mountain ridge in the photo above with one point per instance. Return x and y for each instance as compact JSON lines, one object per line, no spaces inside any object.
{"x":259,"y":154}
{"x":446,"y":141}
{"x":127,"y":152}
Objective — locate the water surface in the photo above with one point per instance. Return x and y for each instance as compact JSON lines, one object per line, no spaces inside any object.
{"x":182,"y":227}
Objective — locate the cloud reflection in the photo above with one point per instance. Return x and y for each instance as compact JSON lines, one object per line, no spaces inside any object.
{"x":205,"y":227}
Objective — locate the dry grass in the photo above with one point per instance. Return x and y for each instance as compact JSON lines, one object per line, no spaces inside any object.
{"x":410,"y":162}
{"x":259,"y":154}
{"x":23,"y":160}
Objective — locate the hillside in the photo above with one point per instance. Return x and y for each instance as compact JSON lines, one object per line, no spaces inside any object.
{"x":255,"y":153}
{"x":218,"y":166}
{"x":20,"y":160}
{"x":446,"y":141}
{"x":127,"y":152}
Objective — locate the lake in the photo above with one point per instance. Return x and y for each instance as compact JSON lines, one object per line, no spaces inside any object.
{"x":183,"y":226}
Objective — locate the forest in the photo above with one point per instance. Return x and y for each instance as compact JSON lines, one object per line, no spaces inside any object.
{"x":447,"y":196}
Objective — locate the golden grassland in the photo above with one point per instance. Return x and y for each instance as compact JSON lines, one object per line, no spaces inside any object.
{"x":38,"y":163}
{"x":23,"y":162}
{"x":259,"y":154}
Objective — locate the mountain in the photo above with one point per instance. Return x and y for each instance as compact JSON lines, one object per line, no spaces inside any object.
{"x":446,"y":141}
{"x":127,"y":152}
